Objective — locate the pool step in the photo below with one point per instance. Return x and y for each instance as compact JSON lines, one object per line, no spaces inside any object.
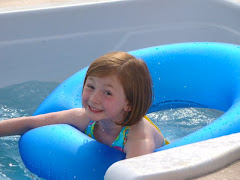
{"x":185,"y":162}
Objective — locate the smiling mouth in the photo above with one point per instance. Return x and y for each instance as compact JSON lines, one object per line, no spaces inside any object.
{"x":94,"y":109}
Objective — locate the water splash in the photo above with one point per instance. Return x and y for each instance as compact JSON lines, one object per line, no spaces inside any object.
{"x":177,"y":123}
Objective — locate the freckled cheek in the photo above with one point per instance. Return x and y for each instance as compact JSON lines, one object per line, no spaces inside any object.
{"x":110,"y":105}
{"x":85,"y":97}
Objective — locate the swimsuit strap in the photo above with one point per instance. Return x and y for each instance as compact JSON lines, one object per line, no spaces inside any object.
{"x":89,"y":130}
{"x":119,"y":142}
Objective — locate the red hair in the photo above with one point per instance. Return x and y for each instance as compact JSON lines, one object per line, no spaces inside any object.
{"x":133,"y":75}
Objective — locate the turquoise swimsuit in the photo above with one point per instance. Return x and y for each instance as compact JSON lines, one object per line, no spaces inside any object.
{"x":119,"y":142}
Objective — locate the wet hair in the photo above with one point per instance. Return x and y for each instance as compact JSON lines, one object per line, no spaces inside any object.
{"x":133,"y":75}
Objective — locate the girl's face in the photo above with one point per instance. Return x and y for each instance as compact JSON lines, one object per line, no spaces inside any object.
{"x":104,"y":99}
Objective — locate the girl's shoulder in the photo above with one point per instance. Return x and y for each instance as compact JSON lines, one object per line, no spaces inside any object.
{"x":146,"y":129}
{"x":145,"y":122}
{"x":143,"y":138}
{"x":143,"y":128}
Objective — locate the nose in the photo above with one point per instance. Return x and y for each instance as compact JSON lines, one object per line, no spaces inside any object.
{"x":96,"y":97}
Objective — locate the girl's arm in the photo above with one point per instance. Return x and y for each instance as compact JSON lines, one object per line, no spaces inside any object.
{"x":143,"y":138}
{"x":18,"y":126}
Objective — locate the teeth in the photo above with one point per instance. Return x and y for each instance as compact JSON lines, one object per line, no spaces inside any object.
{"x":94,"y":108}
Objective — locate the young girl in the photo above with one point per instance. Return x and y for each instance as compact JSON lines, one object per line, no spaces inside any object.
{"x":116,"y":95}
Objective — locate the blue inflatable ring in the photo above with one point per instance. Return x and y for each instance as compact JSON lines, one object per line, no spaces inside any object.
{"x":184,"y":75}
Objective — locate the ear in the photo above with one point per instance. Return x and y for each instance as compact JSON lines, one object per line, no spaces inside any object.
{"x":127,"y":108}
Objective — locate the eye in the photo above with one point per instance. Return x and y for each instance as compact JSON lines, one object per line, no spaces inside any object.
{"x":90,"y":86}
{"x":108,"y":93}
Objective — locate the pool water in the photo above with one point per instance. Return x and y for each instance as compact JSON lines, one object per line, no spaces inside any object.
{"x":16,"y":101}
{"x":23,"y":99}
